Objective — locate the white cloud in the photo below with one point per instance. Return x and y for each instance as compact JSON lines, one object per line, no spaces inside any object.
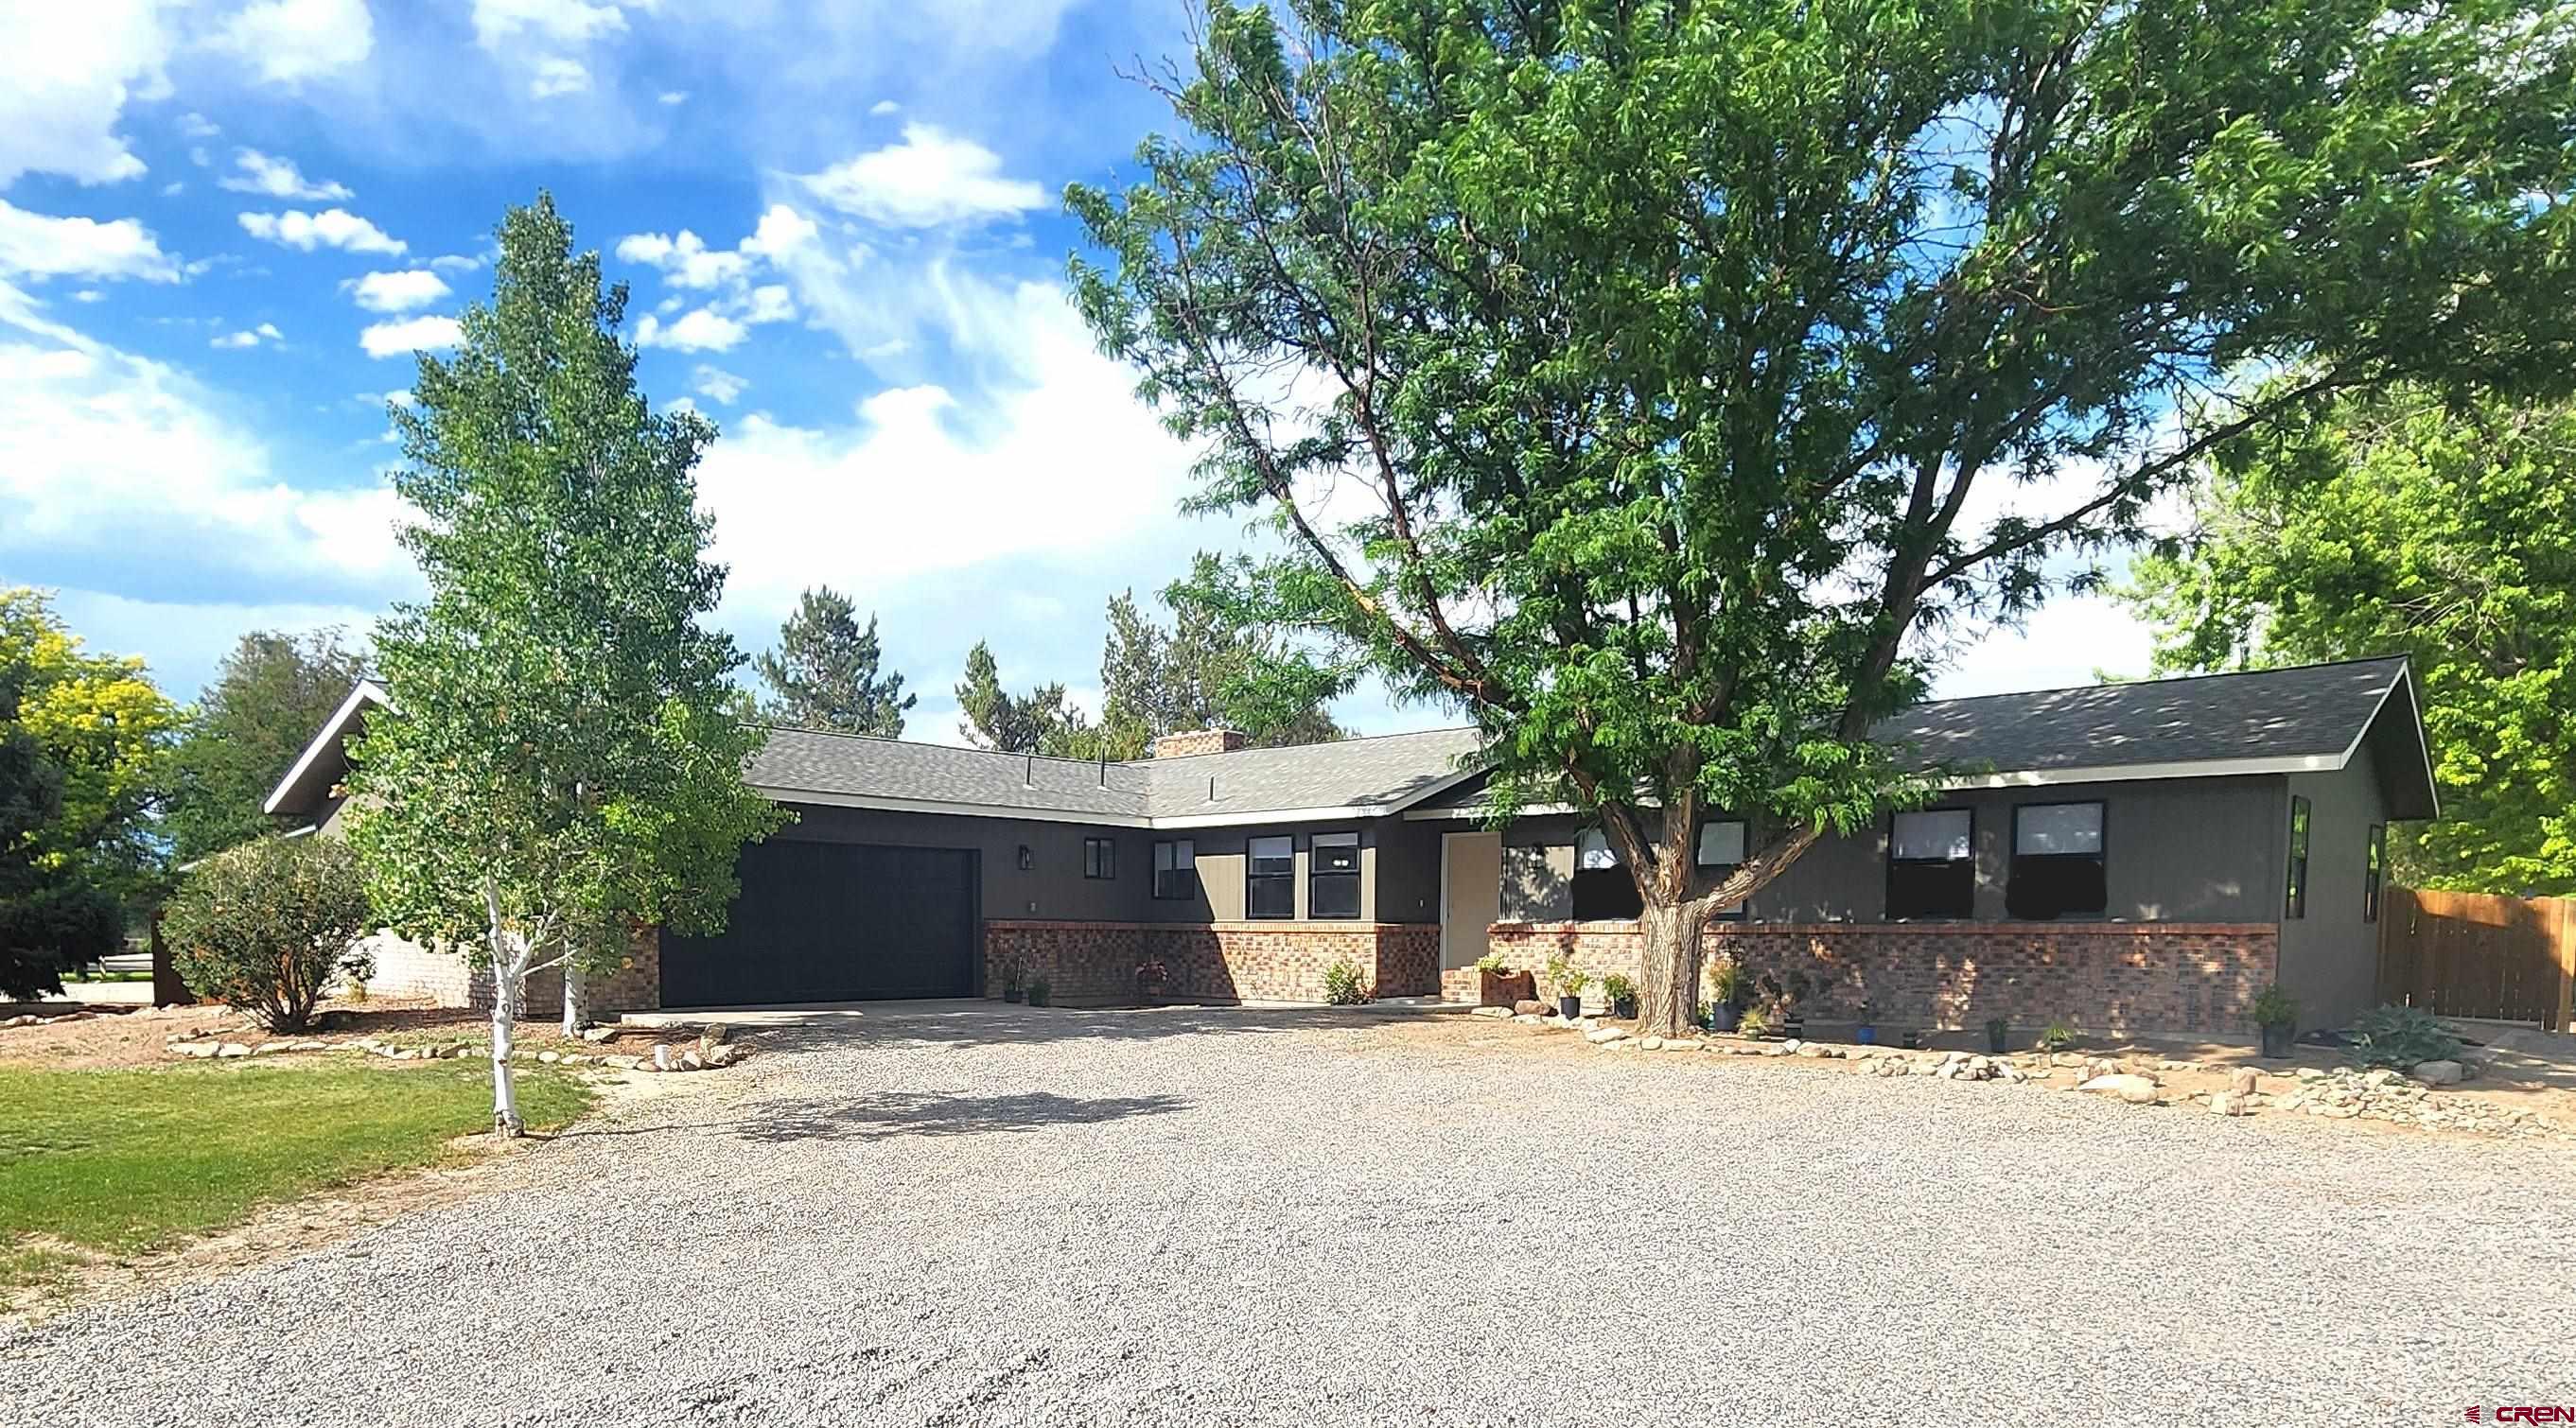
{"x":556,"y":75}
{"x":401,"y":339}
{"x":250,"y":337}
{"x":703,"y":330}
{"x":455,"y":263}
{"x":276,"y":178}
{"x":72,"y":68}
{"x":782,"y":230}
{"x":2065,"y":642}
{"x":398,"y":292}
{"x":89,"y":295}
{"x":399,"y":398}
{"x":565,"y":22}
{"x":193,"y":125}
{"x":716,"y":384}
{"x":686,"y":261}
{"x":123,"y":460}
{"x":768,"y":303}
{"x":290,"y":41}
{"x":929,"y":180}
{"x":39,"y":245}
{"x":331,"y":228}
{"x":848,"y":504}
{"x":674,"y":97}
{"x":884,"y":107}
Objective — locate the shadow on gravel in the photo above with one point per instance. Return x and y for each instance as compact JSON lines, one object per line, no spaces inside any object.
{"x":984,"y":1024}
{"x":891,"y":1114}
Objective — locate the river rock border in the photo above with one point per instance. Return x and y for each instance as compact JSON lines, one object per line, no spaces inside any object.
{"x":2344,"y":1093}
{"x":713,"y":1049}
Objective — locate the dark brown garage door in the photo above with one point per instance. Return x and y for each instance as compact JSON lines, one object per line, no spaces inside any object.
{"x":834,"y":922}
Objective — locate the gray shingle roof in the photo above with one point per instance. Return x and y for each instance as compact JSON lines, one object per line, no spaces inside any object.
{"x":2310,"y":711}
{"x":1350,"y":773}
{"x":2305,"y":711}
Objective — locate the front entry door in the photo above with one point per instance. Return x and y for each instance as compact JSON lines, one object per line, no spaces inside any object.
{"x":1471,"y":895}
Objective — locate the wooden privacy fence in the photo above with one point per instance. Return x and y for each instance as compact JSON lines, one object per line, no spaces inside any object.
{"x":2476,"y":954}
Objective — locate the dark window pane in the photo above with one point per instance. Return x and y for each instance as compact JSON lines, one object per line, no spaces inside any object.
{"x":1270,"y":897}
{"x":2044,"y":886}
{"x":1943,"y":888}
{"x":1334,"y":895}
{"x":1605,"y":894}
{"x":2296,"y":903}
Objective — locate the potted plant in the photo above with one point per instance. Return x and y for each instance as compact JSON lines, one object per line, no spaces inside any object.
{"x":1784,"y":1010}
{"x":1014,"y":977}
{"x":1866,"y":1033}
{"x":1754,"y":1023}
{"x":1621,"y":989}
{"x":2277,"y":1014}
{"x":1038,"y":991}
{"x":1726,"y":983}
{"x":1997,"y":1030}
{"x":1568,"y":985}
{"x":2058,"y":1036}
{"x":1499,"y":984}
{"x":1153,"y":979}
{"x":1912,"y":1040}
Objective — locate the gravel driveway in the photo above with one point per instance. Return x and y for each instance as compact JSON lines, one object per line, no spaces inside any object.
{"x":1310,"y":1218}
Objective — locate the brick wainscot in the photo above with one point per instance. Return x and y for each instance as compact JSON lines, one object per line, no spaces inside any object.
{"x":2122,"y":978}
{"x":1096,"y":962}
{"x":407,"y":969}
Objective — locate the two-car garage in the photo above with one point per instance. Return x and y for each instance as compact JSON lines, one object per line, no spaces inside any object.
{"x":834,"y":922}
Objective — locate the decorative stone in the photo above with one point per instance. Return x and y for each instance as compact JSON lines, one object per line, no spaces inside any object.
{"x":692,"y":1059}
{"x":2135,"y":1089}
{"x":597,"y":1034}
{"x":2228,"y":1103}
{"x":725,"y":1055}
{"x":232,"y":1048}
{"x":1791,"y":1045}
{"x":1529,"y":1007}
{"x":662,"y":1059}
{"x":624,"y":1063}
{"x":550,"y":1057}
{"x":1650,"y":1043}
{"x":2244,"y":1081}
{"x":1682,"y":1045}
{"x":2438,"y":1073}
{"x":1603,"y":1036}
{"x":1493,"y":1011}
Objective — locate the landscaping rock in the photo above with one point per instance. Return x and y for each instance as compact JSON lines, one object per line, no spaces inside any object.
{"x":2439,"y":1073}
{"x":2135,"y":1089}
{"x":1530,"y":1007}
{"x":2244,"y":1081}
{"x":1650,"y":1043}
{"x":1603,"y":1036}
{"x":1493,"y":1011}
{"x":726,"y":1055}
{"x":549,"y":1057}
{"x":1683,"y":1045}
{"x":2228,"y":1103}
{"x":662,"y":1058}
{"x":597,"y":1034}
{"x":232,"y":1048}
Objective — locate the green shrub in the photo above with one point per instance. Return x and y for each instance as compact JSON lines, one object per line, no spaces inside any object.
{"x":1039,"y":990}
{"x":1619,"y":987}
{"x":2058,"y":1036}
{"x":264,"y":927}
{"x":1756,"y":1022}
{"x":1344,"y":986}
{"x":2401,"y":1037}
{"x":1726,"y":981}
{"x":1564,"y":979}
{"x":1492,"y":963}
{"x":2275,"y":1008}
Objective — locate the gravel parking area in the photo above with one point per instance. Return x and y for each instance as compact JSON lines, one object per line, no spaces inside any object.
{"x":1022,"y":1217}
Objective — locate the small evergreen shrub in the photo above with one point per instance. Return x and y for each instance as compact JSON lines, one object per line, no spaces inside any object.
{"x":2058,"y":1036}
{"x":265,"y":927}
{"x":2401,"y":1037}
{"x":2275,"y":1008}
{"x":1619,"y":987}
{"x":1344,"y":986}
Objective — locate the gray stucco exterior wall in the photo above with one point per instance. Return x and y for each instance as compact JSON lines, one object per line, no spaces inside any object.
{"x":2177,"y":850}
{"x":2330,"y":957}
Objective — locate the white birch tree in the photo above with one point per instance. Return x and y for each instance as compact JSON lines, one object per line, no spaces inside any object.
{"x":564,"y":764}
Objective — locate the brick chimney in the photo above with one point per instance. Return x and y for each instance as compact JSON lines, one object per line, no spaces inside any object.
{"x":1200,"y":741}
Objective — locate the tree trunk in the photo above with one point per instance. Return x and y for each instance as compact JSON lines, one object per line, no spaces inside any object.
{"x":1668,"y":980}
{"x":576,"y":998}
{"x":509,"y":993}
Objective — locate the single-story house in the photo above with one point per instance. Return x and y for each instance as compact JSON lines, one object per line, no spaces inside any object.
{"x":2140,"y":857}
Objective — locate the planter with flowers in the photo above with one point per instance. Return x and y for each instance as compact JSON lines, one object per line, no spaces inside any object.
{"x":1153,"y":981}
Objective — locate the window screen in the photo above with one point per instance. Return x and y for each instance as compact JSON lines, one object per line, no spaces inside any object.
{"x":2374,"y":872}
{"x":1333,"y":884}
{"x":2058,"y":868}
{"x":1270,"y":878}
{"x":1931,"y":864}
{"x":1176,"y":870}
{"x":1720,"y":853}
{"x":2296,"y":904}
{"x":1603,"y":891}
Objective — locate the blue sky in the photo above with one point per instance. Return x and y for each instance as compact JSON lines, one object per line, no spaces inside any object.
{"x":224,"y":228}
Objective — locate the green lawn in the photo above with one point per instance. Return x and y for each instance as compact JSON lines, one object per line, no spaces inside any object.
{"x":119,"y":1161}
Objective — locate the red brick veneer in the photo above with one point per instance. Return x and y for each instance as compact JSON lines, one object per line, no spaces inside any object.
{"x":1213,"y":961}
{"x":2119,"y":977}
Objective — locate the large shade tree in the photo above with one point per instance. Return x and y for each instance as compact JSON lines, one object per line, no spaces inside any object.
{"x":273,"y":691}
{"x":108,"y":733}
{"x":53,"y":912}
{"x":565,"y":761}
{"x":2397,"y":524}
{"x":1652,"y":379}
